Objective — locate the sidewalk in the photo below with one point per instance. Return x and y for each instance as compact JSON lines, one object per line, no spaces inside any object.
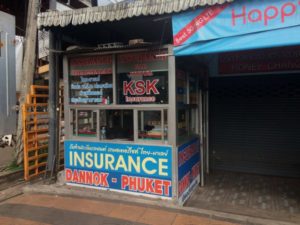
{"x":41,"y":209}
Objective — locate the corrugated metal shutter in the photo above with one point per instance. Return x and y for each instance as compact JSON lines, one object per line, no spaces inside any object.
{"x":255,"y":124}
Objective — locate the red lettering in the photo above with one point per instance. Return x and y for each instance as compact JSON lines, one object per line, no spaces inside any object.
{"x":141,"y":186}
{"x":255,"y":15}
{"x":96,"y":179}
{"x":286,"y":14}
{"x":267,"y":15}
{"x":184,"y":183}
{"x":68,"y":175}
{"x":167,"y":185}
{"x":124,"y":182}
{"x":104,"y":181}
{"x":140,"y":87}
{"x":132,"y":183}
{"x":127,"y":87}
{"x":149,"y":185}
{"x":81,"y":176}
{"x":235,"y":16}
{"x":75,"y":176}
{"x":158,"y":187}
{"x":195,"y":170}
{"x":89,"y":177}
{"x":151,"y":87}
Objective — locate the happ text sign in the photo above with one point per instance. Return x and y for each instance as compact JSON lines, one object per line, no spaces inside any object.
{"x":237,"y":18}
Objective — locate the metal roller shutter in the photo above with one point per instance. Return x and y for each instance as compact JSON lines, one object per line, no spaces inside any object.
{"x":255,"y":124}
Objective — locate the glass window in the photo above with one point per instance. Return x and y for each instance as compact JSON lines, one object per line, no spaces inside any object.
{"x":116,"y":125}
{"x":193,"y":92}
{"x":73,"y":122}
{"x":182,"y":124}
{"x":142,"y":78}
{"x":91,"y":80}
{"x":187,"y":105}
{"x":193,"y":120}
{"x":87,"y":123}
{"x":181,"y":84}
{"x":152,"y":125}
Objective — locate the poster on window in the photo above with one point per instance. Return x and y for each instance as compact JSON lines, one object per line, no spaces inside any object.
{"x":142,"y":78}
{"x":91,"y":80}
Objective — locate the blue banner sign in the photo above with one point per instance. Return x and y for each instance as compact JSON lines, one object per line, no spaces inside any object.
{"x":140,"y":169}
{"x":233,"y":19}
{"x":188,"y":168}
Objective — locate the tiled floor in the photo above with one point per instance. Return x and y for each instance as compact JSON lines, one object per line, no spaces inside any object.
{"x":253,"y":195}
{"x":38,"y":209}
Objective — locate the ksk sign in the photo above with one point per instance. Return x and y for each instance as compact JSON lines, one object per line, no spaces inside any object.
{"x":140,"y":88}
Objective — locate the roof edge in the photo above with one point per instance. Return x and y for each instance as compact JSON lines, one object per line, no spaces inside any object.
{"x":119,"y":11}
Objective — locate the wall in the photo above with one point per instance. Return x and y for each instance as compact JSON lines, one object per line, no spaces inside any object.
{"x":7,"y":74}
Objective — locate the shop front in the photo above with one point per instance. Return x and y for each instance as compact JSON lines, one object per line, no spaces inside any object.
{"x":254,"y":78}
{"x":252,"y":160}
{"x":123,"y":131}
{"x":155,"y":119}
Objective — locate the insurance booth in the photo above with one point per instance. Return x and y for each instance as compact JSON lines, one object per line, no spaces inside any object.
{"x":129,"y":127}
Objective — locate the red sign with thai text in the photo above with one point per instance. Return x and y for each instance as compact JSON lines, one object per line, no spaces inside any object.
{"x":260,"y":61}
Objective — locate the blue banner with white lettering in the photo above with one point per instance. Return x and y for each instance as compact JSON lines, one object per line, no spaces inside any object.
{"x":142,"y":169}
{"x":233,"y":19}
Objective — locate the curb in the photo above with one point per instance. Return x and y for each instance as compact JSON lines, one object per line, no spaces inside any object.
{"x":129,"y":199}
{"x":8,"y":179}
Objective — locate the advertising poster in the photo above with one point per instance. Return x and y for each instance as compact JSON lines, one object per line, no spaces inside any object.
{"x":188,"y":169}
{"x":140,"y":169}
{"x":142,"y":78}
{"x":91,"y":79}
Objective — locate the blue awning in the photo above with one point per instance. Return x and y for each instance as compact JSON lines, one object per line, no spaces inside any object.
{"x":274,"y":38}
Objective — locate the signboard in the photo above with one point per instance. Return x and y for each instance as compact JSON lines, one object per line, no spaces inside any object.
{"x":233,"y":19}
{"x":140,"y":169}
{"x":260,"y":61}
{"x":91,"y":65}
{"x":91,"y":80}
{"x":142,"y":78}
{"x":142,"y":63}
{"x":188,"y":169}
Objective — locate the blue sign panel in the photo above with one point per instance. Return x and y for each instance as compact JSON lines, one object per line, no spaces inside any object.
{"x":281,"y":37}
{"x":134,"y":168}
{"x":233,"y":19}
{"x":188,"y":168}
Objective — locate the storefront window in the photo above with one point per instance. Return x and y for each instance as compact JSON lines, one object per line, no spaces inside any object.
{"x":193,"y":114}
{"x":91,"y":80}
{"x":87,"y":123}
{"x":116,"y":125}
{"x":187,"y":106}
{"x":181,"y":87}
{"x":142,"y":78}
{"x":193,"y":90}
{"x":152,"y":125}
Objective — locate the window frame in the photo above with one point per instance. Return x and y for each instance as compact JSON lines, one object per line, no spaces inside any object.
{"x":135,"y":107}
